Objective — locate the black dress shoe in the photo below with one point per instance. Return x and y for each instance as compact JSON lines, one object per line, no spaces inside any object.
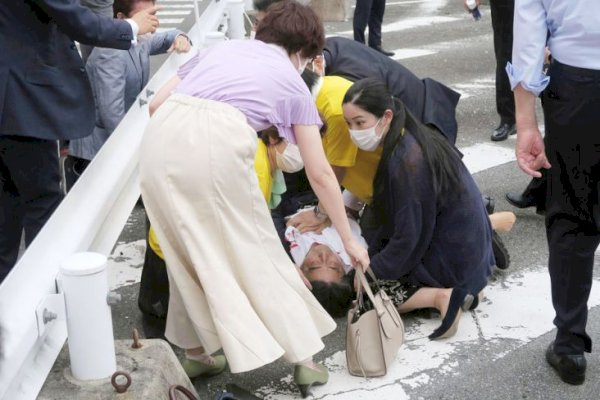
{"x":520,"y":200}
{"x":500,"y":252}
{"x":489,"y":204}
{"x":570,"y":368}
{"x":382,"y":51}
{"x":503,"y":131}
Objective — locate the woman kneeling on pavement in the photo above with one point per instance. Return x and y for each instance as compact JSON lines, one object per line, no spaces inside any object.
{"x":232,"y":285}
{"x":426,"y":226}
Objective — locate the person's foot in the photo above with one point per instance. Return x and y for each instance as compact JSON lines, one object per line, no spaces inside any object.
{"x":503,"y":132}
{"x":204,"y":365}
{"x":382,"y":51}
{"x":519,"y":200}
{"x":306,"y":376}
{"x":458,"y":300}
{"x":570,"y":368}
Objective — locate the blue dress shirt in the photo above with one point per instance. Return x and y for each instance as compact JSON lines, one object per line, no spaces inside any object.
{"x":574,"y":27}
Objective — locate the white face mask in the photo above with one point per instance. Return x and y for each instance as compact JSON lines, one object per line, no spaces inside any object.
{"x":366,"y":139}
{"x":290,"y":160}
{"x":301,"y":65}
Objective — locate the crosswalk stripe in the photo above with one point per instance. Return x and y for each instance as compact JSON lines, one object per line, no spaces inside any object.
{"x":403,"y":54}
{"x":408,"y":23}
{"x":173,"y":21}
{"x":173,"y":12}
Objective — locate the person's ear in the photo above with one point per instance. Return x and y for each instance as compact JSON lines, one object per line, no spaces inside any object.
{"x":120,"y":15}
{"x":388,"y":115}
{"x":319,"y":65}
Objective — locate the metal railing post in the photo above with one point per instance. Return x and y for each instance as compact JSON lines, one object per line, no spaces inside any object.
{"x":84,"y":281}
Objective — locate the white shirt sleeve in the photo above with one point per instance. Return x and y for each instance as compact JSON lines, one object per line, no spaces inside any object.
{"x":134,"y":28}
{"x":529,"y":39}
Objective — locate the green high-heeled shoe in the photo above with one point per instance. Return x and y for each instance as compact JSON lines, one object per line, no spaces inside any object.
{"x":195,"y":368}
{"x":305,"y":377}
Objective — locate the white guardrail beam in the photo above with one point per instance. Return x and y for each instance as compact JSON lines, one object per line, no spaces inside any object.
{"x":90,"y":218}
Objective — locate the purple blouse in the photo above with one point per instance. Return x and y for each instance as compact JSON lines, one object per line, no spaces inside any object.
{"x":256,"y":78}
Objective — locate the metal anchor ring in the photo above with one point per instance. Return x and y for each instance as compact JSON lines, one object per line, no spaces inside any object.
{"x":174,"y":388}
{"x":121,"y":387}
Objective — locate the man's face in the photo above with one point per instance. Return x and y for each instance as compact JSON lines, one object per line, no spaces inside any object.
{"x":322,"y":264}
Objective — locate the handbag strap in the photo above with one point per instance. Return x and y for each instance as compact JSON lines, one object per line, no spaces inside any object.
{"x":362,"y":282}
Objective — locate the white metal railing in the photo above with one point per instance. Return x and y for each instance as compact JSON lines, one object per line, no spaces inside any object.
{"x":90,"y":218}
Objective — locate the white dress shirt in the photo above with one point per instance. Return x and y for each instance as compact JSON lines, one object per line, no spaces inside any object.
{"x":574,"y":27}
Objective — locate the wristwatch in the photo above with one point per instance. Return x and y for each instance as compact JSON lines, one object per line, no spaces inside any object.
{"x":319,"y":214}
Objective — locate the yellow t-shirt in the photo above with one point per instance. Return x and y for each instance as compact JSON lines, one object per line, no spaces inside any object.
{"x":340,"y":150}
{"x":265,"y":182}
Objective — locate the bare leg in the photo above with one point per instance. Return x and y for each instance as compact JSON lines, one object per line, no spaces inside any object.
{"x":428,"y":298}
{"x":502,"y":221}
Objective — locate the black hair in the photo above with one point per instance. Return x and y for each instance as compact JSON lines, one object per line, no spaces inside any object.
{"x":125,"y":6}
{"x":335,"y":297}
{"x":310,"y":78}
{"x":262,"y":5}
{"x":373,"y":96}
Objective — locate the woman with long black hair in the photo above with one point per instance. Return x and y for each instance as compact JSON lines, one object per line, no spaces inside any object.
{"x":426,"y":226}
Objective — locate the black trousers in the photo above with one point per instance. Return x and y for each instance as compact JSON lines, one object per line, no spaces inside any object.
{"x":30,"y":181}
{"x":502,"y":23}
{"x":571,"y":103}
{"x":368,"y":12}
{"x":537,"y":189}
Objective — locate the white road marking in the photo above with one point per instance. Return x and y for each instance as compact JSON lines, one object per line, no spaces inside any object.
{"x":407,"y":23}
{"x":172,"y":12}
{"x":125,"y":264}
{"x":527,"y":292}
{"x":172,"y":21}
{"x":403,"y":54}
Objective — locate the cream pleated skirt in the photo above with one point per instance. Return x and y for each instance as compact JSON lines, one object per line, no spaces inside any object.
{"x":232,"y":284}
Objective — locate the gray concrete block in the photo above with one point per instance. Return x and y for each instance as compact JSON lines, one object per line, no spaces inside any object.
{"x":153,"y":369}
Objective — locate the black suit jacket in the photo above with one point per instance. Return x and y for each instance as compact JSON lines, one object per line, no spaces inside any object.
{"x":44,"y":89}
{"x":428,"y":100}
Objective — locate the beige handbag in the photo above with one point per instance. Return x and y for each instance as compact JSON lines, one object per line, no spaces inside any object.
{"x":373,"y":336}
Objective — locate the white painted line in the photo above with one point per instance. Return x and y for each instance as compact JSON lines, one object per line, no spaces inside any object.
{"x":409,"y":23}
{"x":403,"y":54}
{"x":190,"y":6}
{"x":419,"y":357}
{"x":125,"y":264}
{"x":164,"y":21}
{"x":475,"y":87}
{"x":400,"y":3}
{"x":173,"y":12}
{"x":483,"y":156}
